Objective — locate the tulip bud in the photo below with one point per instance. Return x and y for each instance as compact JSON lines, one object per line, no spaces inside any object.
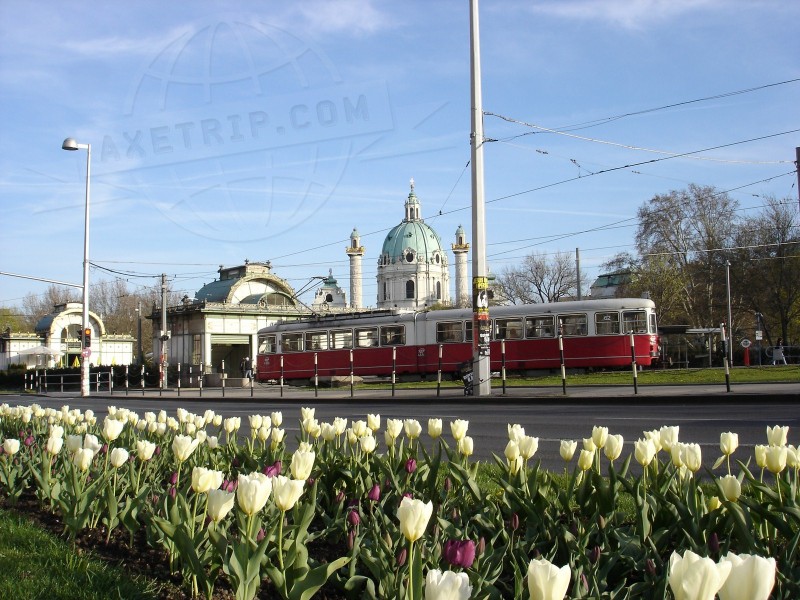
{"x":173,"y":479}
{"x":354,"y":518}
{"x":351,"y":539}
{"x":375,"y":493}
{"x":411,"y":465}
{"x":601,"y":522}
{"x":340,"y":497}
{"x":401,"y":557}
{"x":448,"y":485}
{"x":260,"y":535}
{"x":481,"y":547}
{"x":713,"y":542}
{"x":173,"y":492}
{"x":514,"y":522}
{"x":650,"y":567}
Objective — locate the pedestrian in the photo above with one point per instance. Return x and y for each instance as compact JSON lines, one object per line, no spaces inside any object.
{"x":777,"y":353}
{"x":247,"y":368}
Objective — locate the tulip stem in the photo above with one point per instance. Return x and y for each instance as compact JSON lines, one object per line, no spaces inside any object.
{"x":410,"y":590}
{"x":280,"y":542}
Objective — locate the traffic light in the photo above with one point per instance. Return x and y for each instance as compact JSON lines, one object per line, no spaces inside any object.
{"x":87,"y":337}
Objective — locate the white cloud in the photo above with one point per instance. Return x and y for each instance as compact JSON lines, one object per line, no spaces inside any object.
{"x":629,"y":14}
{"x":353,"y":16}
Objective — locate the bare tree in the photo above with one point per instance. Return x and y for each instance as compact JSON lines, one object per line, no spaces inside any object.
{"x":35,"y":306}
{"x":540,"y":278}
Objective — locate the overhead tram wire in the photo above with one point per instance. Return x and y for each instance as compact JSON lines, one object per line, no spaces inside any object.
{"x":604,"y":120}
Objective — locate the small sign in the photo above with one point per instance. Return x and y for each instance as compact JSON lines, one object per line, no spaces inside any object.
{"x":758,"y":336}
{"x":86,"y":353}
{"x":745,"y":343}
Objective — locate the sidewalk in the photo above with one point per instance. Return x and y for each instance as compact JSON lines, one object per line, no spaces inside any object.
{"x":745,"y":392}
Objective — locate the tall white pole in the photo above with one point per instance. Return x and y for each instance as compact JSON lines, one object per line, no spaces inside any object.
{"x":481,"y":325}
{"x":72,"y":145}
{"x":86,"y":326}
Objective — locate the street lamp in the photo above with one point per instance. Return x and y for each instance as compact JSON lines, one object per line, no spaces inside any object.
{"x":71,"y":144}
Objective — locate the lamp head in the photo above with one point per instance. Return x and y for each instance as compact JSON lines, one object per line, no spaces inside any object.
{"x":69,"y":144}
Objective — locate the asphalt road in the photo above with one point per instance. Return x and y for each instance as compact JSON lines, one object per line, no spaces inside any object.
{"x":701,"y":412}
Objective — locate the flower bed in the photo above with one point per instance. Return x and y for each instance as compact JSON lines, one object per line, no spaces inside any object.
{"x":402,"y":519}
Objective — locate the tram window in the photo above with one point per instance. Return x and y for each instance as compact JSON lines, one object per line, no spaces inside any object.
{"x":606,"y":323}
{"x":449,"y":331}
{"x":267,"y":344}
{"x":573,"y":324}
{"x":634,"y":321}
{"x":342,"y":338}
{"x":508,"y":329}
{"x":292,"y":342}
{"x":539,"y":327}
{"x":468,"y":331}
{"x":367,"y":338}
{"x":317,"y":340}
{"x":393,"y":335}
{"x":653,"y":328}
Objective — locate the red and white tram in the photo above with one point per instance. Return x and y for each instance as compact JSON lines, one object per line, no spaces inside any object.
{"x":595,"y":333}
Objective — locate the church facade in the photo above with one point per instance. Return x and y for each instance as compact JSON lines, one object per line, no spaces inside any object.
{"x":413,"y":271}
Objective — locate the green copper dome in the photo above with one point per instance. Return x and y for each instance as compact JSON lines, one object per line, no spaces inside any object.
{"x":412,"y":241}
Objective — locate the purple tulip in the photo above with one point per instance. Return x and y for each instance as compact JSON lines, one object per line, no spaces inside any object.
{"x":260,"y":535}
{"x":173,"y":479}
{"x":459,"y":553}
{"x":375,"y":493}
{"x":272,"y":470}
{"x":713,"y":543}
{"x":411,"y":466}
{"x":173,"y":491}
{"x":650,"y":567}
{"x":594,"y":555}
{"x":514,"y":522}
{"x":448,"y":485}
{"x":351,"y":539}
{"x":339,"y":497}
{"x":401,"y":557}
{"x":354,"y":518}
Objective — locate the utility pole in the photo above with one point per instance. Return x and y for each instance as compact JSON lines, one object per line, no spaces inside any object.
{"x":481,"y":325}
{"x":797,"y":169}
{"x":164,"y":332}
{"x":139,"y":332}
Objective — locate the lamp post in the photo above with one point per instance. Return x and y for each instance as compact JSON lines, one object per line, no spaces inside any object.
{"x":71,"y":144}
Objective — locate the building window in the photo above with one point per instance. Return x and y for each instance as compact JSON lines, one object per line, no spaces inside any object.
{"x":197,"y":346}
{"x":410,"y":289}
{"x":410,"y":256}
{"x":438,"y":287}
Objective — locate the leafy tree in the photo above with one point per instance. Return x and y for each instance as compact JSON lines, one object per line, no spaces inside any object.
{"x":684,"y":235}
{"x":767,"y":264}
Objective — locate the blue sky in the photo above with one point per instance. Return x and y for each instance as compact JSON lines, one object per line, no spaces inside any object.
{"x":225,"y":131}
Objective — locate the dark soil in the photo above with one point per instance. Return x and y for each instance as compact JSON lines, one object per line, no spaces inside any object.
{"x":141,"y":560}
